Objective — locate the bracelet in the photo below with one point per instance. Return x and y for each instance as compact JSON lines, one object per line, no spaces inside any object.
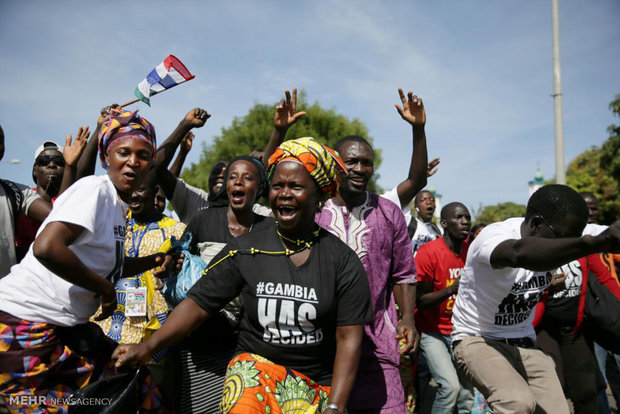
{"x":332,"y":406}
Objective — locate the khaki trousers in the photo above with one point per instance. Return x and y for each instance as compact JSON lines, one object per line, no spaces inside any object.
{"x":512,"y":379}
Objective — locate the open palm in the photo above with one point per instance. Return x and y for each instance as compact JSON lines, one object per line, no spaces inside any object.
{"x":286,"y":114}
{"x":412,"y":110}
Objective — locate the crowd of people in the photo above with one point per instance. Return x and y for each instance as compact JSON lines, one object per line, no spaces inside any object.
{"x":333,"y":299}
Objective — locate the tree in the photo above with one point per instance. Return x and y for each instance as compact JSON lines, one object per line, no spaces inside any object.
{"x":252,"y":131}
{"x":584,"y":173}
{"x":610,"y":151}
{"x":500,"y":212}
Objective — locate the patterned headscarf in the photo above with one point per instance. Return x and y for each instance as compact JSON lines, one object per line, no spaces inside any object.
{"x":322,"y":163}
{"x":122,"y":126}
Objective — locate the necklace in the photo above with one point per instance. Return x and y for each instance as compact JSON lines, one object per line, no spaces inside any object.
{"x":300,"y":242}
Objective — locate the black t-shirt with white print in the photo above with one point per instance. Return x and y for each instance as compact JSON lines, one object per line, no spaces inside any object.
{"x":211,"y":225}
{"x":291,"y":313}
{"x":562,"y":307}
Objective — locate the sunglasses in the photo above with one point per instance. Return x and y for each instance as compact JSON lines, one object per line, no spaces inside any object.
{"x":44,"y":160}
{"x":556,"y":233}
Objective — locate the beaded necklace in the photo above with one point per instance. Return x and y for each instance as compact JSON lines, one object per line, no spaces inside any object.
{"x":304,"y":244}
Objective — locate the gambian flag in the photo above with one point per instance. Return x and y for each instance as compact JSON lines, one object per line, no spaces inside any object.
{"x":167,"y":74}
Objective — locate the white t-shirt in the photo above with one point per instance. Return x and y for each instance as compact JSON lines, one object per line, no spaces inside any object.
{"x":593,"y":229}
{"x":392,"y":195}
{"x":496,"y":303}
{"x":7,"y":224}
{"x":187,"y":200}
{"x":34,"y":293}
{"x":424,"y":232}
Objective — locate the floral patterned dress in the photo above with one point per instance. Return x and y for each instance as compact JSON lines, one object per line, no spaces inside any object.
{"x":142,"y":239}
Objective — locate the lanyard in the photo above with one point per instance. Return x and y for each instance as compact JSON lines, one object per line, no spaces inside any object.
{"x":135,"y":248}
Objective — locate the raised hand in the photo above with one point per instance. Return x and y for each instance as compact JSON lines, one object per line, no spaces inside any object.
{"x":286,"y":111}
{"x":73,"y":151}
{"x":186,"y":144}
{"x":412,"y":110}
{"x":108,"y":111}
{"x":197,"y":117}
{"x":432,"y":168}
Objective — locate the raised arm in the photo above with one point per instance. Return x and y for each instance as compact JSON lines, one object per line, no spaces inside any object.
{"x":72,"y":153}
{"x":185,"y":148}
{"x":286,"y":115}
{"x":39,"y":210}
{"x":540,"y":254}
{"x":413,"y":112}
{"x":88,"y":160}
{"x":195,"y":118}
{"x":183,"y":320}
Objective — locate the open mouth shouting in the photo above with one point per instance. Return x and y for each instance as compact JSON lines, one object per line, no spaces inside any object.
{"x":237,"y":197}
{"x":286,"y":212}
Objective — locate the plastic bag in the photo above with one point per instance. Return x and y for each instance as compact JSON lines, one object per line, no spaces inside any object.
{"x":177,"y":286}
{"x":120,"y":394}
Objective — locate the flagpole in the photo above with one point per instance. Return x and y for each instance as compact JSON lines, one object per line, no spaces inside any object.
{"x":129,"y":103}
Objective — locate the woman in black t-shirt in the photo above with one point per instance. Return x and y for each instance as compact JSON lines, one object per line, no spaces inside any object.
{"x":206,"y":353}
{"x":305,"y":298}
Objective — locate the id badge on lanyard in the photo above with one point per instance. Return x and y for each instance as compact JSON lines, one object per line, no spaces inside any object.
{"x":135,"y":301}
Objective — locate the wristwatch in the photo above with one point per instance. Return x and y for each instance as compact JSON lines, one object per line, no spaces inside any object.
{"x":333,"y":406}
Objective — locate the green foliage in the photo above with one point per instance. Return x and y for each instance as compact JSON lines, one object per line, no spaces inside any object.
{"x":610,"y":151}
{"x":584,"y":173}
{"x":252,"y":131}
{"x":500,"y":212}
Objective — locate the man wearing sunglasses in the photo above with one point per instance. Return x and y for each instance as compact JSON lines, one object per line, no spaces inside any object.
{"x":47,"y":171}
{"x":15,"y":199}
{"x":508,"y":268}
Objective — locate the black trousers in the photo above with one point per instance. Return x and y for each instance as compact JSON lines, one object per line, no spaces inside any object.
{"x":576,"y":366}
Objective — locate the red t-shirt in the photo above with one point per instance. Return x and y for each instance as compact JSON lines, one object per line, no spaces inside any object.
{"x":436,"y":263}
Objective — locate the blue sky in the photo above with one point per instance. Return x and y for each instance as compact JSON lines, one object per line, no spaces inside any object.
{"x":483,"y":68}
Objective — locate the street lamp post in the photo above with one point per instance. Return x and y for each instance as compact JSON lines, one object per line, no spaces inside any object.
{"x":560,"y":173}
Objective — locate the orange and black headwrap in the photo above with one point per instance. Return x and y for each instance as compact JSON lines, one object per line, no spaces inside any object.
{"x":322,"y":163}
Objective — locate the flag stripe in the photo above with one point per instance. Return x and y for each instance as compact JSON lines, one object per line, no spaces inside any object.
{"x":144,"y":88}
{"x":176,"y":76}
{"x":168,"y":82}
{"x":140,"y":96}
{"x":153,"y":77}
{"x":172,"y":61}
{"x":162,"y":70}
{"x":156,"y":88}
